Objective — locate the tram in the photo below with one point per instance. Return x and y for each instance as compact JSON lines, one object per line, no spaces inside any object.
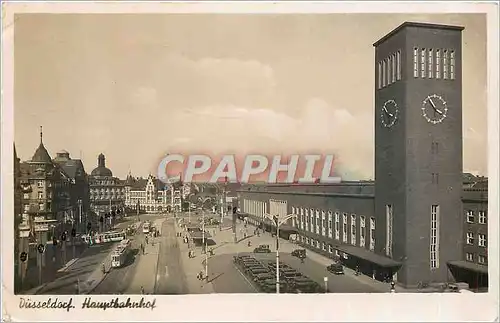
{"x":105,"y":237}
{"x":119,"y":255}
{"x":146,"y":227}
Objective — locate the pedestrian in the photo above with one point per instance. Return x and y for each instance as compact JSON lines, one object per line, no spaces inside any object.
{"x":147,"y":242}
{"x":142,"y":290}
{"x":103,"y":268}
{"x":393,"y":287}
{"x":373,"y":274}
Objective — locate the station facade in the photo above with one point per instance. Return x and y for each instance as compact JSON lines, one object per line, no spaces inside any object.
{"x":421,"y":222}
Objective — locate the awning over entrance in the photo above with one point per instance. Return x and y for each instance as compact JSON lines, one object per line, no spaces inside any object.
{"x":368,"y":255}
{"x":469,"y":266}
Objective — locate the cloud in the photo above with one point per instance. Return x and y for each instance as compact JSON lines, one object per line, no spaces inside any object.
{"x":320,"y":128}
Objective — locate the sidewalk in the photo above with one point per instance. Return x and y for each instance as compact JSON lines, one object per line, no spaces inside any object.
{"x":225,"y":245}
{"x":97,"y":276}
{"x":147,"y":263}
{"x":193,"y":266}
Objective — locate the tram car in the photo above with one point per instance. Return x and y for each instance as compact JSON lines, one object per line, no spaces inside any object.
{"x":120,"y":254}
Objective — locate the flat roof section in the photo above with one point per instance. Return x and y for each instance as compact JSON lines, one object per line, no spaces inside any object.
{"x":418,"y":25}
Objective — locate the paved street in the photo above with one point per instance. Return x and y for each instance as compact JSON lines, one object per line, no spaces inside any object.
{"x":165,"y":267}
{"x":171,"y":278}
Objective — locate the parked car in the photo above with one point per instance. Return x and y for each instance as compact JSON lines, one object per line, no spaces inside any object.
{"x":262,"y":249}
{"x":299,"y":253}
{"x":336,"y":268}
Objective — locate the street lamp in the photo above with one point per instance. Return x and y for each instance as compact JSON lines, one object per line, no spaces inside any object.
{"x":204,"y":241}
{"x":278,"y":221}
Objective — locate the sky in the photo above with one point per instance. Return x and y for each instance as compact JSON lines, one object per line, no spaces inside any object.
{"x":136,"y":87}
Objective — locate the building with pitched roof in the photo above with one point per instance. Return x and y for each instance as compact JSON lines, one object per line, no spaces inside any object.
{"x":146,"y":195}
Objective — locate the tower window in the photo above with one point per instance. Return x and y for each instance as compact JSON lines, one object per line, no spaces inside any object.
{"x":393,"y":68}
{"x":445,"y":64}
{"x":398,"y":63}
{"x":422,"y":63}
{"x":379,"y":75}
{"x":415,"y":62}
{"x":389,"y":64}
{"x":434,"y":237}
{"x":452,"y":65}
{"x":384,"y":72}
{"x":438,"y":63}
{"x":430,"y":64}
{"x":389,"y":221}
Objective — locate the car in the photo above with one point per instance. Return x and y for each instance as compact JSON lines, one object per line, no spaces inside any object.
{"x":269,"y":286}
{"x":336,"y":268}
{"x":263,"y":248}
{"x":262,"y":276}
{"x":299,"y":253}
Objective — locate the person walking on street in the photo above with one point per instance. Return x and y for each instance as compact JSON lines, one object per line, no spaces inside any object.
{"x":142,"y":290}
{"x":147,"y":241}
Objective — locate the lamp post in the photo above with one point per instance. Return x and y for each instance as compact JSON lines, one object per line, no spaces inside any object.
{"x":204,"y":241}
{"x":278,"y":221}
{"x":80,"y":214}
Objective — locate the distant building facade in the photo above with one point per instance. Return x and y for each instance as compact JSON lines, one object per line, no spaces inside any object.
{"x":146,"y":195}
{"x":106,"y":192}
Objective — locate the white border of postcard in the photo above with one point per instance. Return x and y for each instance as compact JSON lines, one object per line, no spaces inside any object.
{"x":260,"y":307}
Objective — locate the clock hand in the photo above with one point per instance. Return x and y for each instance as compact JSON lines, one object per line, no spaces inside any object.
{"x":432,"y":103}
{"x":387,"y":112}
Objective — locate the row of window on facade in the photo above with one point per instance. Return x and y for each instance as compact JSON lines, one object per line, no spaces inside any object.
{"x":389,"y":70}
{"x":482,"y":259}
{"x":434,"y":63}
{"x":41,"y":183}
{"x":321,"y":245}
{"x":482,"y":241}
{"x":144,"y":193}
{"x":41,"y":207}
{"x":471,"y":218}
{"x":118,"y":190}
{"x":327,"y":224}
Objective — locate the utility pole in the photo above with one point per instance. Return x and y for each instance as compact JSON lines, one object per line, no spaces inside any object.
{"x":204,"y":242}
{"x":40,"y":258}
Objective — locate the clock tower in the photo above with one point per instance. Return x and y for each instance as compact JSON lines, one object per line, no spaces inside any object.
{"x":418,"y":150}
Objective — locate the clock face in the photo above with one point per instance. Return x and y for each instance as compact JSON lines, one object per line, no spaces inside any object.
{"x":389,"y":113}
{"x":434,"y":109}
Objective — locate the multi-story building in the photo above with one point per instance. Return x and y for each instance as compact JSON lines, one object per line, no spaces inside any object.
{"x":79,"y":187}
{"x":106,"y":192}
{"x":46,"y":200}
{"x":409,"y":223}
{"x":146,"y":195}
